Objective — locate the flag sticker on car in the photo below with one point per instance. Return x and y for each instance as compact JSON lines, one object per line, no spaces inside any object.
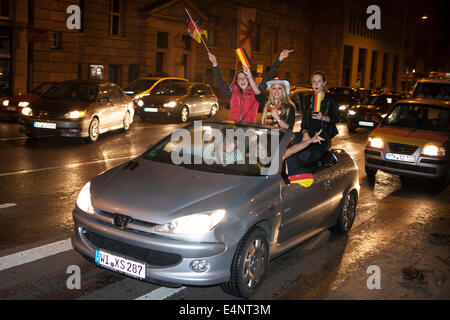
{"x":116,"y":263}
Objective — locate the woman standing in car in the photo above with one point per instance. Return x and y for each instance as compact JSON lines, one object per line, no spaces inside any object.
{"x":243,"y":102}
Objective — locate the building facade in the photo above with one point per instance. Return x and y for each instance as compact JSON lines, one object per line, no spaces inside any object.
{"x":121,"y":40}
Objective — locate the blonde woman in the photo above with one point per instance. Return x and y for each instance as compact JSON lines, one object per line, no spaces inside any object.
{"x":279,"y":110}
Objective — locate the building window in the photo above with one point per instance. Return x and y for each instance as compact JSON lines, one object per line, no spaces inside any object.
{"x":162,"y":40}
{"x":114,"y":17}
{"x":133,"y":72}
{"x":373,"y":69}
{"x":5,"y":8}
{"x":273,"y":40}
{"x":96,"y":71}
{"x":186,"y":42}
{"x":385,"y":70}
{"x":256,"y":37}
{"x":360,"y":81}
{"x":55,"y":39}
{"x":159,"y":62}
{"x":114,"y":73}
{"x":347,"y":65}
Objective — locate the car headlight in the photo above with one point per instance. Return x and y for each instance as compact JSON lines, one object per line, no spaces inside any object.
{"x":23,"y":104}
{"x":375,"y":143}
{"x":75,"y":114}
{"x":383,"y":115}
{"x":193,"y":224}
{"x":140,"y":103}
{"x":84,"y":199}
{"x":171,"y":104}
{"x":343,"y":107}
{"x":433,"y":150}
{"x":27,"y":111}
{"x":351,"y":112}
{"x":5,"y":103}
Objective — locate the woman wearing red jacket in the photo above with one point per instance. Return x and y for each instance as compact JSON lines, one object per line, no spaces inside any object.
{"x":243,"y":101}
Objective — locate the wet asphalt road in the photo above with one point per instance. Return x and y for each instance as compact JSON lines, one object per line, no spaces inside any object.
{"x":401,"y":227}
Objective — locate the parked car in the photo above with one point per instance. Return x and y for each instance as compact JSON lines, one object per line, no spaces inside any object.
{"x":180,"y":100}
{"x":412,"y":140}
{"x":438,"y":89}
{"x":369,"y":113}
{"x":12,"y":107}
{"x":78,"y":108}
{"x":193,"y":223}
{"x":299,"y":95}
{"x":150,"y":86}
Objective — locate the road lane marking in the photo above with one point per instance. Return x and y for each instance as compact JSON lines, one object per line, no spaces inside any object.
{"x":160,"y":293}
{"x":19,"y":258}
{"x":7,"y":205}
{"x":70,"y":166}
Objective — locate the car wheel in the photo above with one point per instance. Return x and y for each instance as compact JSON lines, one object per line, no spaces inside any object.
{"x":126,"y":121}
{"x":371,"y":174}
{"x":184,"y":114}
{"x":249,"y":265}
{"x":93,"y":130}
{"x":214,"y":109}
{"x":347,"y":212}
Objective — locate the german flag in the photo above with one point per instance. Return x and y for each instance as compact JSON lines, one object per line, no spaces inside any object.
{"x":317,"y":100}
{"x":194,"y":29}
{"x":243,"y":57}
{"x":303,"y":179}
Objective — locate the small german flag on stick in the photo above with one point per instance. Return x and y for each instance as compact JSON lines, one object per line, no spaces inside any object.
{"x":243,"y":57}
{"x":317,"y":101}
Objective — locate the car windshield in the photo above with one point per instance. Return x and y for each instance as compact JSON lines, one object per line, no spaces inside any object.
{"x":438,"y":91}
{"x":139,"y":85}
{"x":73,"y":91}
{"x":43,"y":88}
{"x":419,"y":116}
{"x":341,"y":91}
{"x":364,"y":93}
{"x":374,"y":100}
{"x":219,"y":148}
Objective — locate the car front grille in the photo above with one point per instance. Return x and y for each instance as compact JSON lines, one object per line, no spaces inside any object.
{"x":401,"y":166}
{"x":151,"y":257}
{"x":402,"y":148}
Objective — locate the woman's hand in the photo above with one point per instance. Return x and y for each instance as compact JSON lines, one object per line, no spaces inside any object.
{"x":284,"y":54}
{"x":317,"y":138}
{"x":213,"y":59}
{"x":275,"y":114}
{"x":247,"y":72}
{"x":317,"y":115}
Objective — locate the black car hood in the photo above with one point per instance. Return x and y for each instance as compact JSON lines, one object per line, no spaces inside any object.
{"x":57,"y":105}
{"x":344,"y":100}
{"x":371,"y":108}
{"x":159,"y":192}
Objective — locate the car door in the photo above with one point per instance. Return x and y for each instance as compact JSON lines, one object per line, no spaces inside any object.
{"x":105,"y":107}
{"x":195,"y":101}
{"x":119,"y":105}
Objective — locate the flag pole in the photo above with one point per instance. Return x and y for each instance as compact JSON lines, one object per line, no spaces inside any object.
{"x":203,"y":41}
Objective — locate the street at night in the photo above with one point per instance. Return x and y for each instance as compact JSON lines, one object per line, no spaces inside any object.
{"x":397,"y":227}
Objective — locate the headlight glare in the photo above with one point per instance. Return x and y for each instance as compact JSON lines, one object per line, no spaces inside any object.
{"x":75,"y":114}
{"x":23,"y":104}
{"x":171,"y":104}
{"x":27,"y":111}
{"x":352,"y":112}
{"x":5,"y":103}
{"x":433,"y":150}
{"x":343,"y":107}
{"x":193,"y":224}
{"x":375,"y":143}
{"x":84,"y":199}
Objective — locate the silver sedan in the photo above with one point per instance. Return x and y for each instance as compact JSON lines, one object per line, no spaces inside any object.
{"x":78,"y":108}
{"x":187,"y":212}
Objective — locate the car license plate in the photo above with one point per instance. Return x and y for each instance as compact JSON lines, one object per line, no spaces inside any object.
{"x":11,"y":108}
{"x":45,"y":125}
{"x":116,"y":263}
{"x":365,"y":123}
{"x":399,"y":157}
{"x":151,"y":109}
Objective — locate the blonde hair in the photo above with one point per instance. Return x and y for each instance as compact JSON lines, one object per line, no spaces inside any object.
{"x":285,"y":102}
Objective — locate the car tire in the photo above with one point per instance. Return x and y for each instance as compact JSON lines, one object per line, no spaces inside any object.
{"x":184,"y":114}
{"x":347,"y":213}
{"x":214,"y":110}
{"x":93,"y":130}
{"x":126,"y":121}
{"x":371,"y":174}
{"x":249,"y":266}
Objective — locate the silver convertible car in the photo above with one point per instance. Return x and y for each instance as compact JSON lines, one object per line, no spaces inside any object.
{"x":192,"y":212}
